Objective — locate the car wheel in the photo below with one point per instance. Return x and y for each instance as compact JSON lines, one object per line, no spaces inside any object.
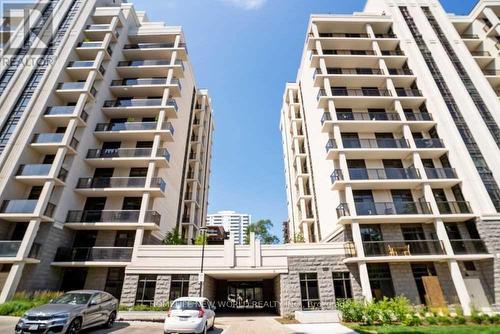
{"x":74,"y":327}
{"x":204,"y":330}
{"x":213,"y":325}
{"x":111,"y":320}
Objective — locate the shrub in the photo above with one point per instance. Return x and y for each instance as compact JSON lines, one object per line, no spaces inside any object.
{"x":479,"y":318}
{"x":495,"y":319}
{"x":386,"y":311}
{"x":443,"y":320}
{"x":352,"y":310}
{"x":432,"y":320}
{"x":459,"y":320}
{"x":412,"y":320}
{"x":23,"y":301}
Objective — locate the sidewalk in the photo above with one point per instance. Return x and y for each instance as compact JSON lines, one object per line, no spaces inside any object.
{"x":141,"y":316}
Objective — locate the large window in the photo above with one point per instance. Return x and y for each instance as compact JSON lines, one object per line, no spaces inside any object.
{"x":380,"y":280}
{"x":309,"y":291}
{"x":146,"y":290}
{"x":179,"y":286}
{"x":342,"y":284}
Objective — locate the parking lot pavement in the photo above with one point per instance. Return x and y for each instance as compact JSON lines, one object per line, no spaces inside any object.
{"x":121,"y":327}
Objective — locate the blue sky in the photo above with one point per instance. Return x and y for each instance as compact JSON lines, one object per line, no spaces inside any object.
{"x":244,"y":51}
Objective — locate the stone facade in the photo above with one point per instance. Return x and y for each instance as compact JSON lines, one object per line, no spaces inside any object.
{"x":96,"y":278}
{"x":162,"y":291}
{"x":194,"y":286}
{"x":403,"y":281}
{"x":129,"y":290}
{"x":489,"y":231}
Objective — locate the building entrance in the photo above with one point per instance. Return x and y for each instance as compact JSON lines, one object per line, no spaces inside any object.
{"x":243,"y":296}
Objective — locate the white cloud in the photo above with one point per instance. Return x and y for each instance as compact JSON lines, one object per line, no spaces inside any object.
{"x":246,"y":4}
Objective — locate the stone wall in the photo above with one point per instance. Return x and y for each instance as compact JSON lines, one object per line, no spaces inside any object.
{"x":403,"y":281}
{"x":162,"y":291}
{"x":490,"y":233}
{"x":96,"y":278}
{"x":209,"y":288}
{"x":194,"y":286}
{"x":129,"y":290}
{"x":323,"y":266}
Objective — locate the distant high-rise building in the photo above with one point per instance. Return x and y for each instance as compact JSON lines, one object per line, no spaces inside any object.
{"x":234,"y":223}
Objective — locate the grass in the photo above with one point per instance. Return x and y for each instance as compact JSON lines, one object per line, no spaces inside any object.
{"x":24,"y":301}
{"x":395,"y":329}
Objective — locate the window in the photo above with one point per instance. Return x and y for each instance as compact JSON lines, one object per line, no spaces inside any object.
{"x":309,"y":291}
{"x":380,"y":281}
{"x":342,"y":284}
{"x":146,"y":290}
{"x":179,"y":286}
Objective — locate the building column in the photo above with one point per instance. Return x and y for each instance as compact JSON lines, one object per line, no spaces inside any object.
{"x":363,"y":269}
{"x":12,"y":281}
{"x":460,"y":287}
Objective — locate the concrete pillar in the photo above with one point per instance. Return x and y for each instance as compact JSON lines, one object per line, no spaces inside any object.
{"x":365,"y":281}
{"x":12,"y":281}
{"x":460,"y":287}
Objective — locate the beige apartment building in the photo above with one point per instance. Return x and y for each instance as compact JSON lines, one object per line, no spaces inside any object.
{"x":391,"y":146}
{"x":105,"y":144}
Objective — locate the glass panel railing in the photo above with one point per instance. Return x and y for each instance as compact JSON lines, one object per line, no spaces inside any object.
{"x":148,"y":46}
{"x":383,"y":173}
{"x":111,"y":182}
{"x":148,"y":62}
{"x":98,"y":27}
{"x":375,"y":143}
{"x":111,"y":254}
{"x":392,"y":208}
{"x":368,"y":116}
{"x":127,"y":126}
{"x":82,"y":63}
{"x":408,"y":92}
{"x":119,"y":153}
{"x":71,"y":85}
{"x":441,"y":173}
{"x":47,"y":138}
{"x":90,"y":44}
{"x":19,"y":206}
{"x":343,"y":210}
{"x":9,"y":248}
{"x":111,"y":216}
{"x":139,"y":82}
{"x":330,"y":144}
{"x":429,"y":143}
{"x":403,"y":247}
{"x":132,"y":103}
{"x":468,"y":246}
{"x":360,"y":92}
{"x":422,"y":116}
{"x":34,"y":170}
{"x":60,"y":110}
{"x":453,"y":207}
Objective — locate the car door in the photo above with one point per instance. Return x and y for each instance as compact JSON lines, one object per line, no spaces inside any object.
{"x":93,"y":311}
{"x":209,"y":311}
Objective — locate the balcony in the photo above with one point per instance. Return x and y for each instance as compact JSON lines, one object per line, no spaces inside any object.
{"x":150,"y":68}
{"x":383,"y":148}
{"x":357,"y":97}
{"x":38,"y":174}
{"x":126,"y":186}
{"x":70,"y":91}
{"x":79,"y":70}
{"x":430,"y":147}
{"x":460,"y":208}
{"x":404,"y":92}
{"x":403,"y":248}
{"x":98,"y":31}
{"x":154,"y":51}
{"x":130,"y":157}
{"x":89,"y":50}
{"x":20,"y":210}
{"x":9,"y":248}
{"x":342,"y":35}
{"x":370,"y":178}
{"x":94,"y":254}
{"x":468,"y":246}
{"x":147,"y":107}
{"x":145,"y":87}
{"x":134,"y":131}
{"x":386,"y":212}
{"x":61,"y":115}
{"x":363,"y":121}
{"x":49,"y":143}
{"x":111,"y":219}
{"x":350,"y":76}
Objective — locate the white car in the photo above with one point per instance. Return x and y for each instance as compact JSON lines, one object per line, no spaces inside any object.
{"x":190,"y":315}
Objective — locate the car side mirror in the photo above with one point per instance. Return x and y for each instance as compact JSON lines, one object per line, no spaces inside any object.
{"x":92,"y":303}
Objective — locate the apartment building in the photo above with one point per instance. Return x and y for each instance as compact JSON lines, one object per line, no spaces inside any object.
{"x":234,"y":223}
{"x":391,"y":146}
{"x":105,"y":145}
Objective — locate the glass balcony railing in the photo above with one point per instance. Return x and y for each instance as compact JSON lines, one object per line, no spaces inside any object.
{"x":326,"y":117}
{"x":9,"y":248}
{"x":469,"y":36}
{"x":330,"y":144}
{"x":441,"y":173}
{"x":19,"y":206}
{"x":386,"y":35}
{"x":392,"y":208}
{"x":408,"y":92}
{"x":429,"y":143}
{"x":132,"y":103}
{"x":82,"y":63}
{"x":111,"y":216}
{"x":71,"y":85}
{"x":343,"y":210}
{"x":368,"y":116}
{"x":453,"y":207}
{"x":400,"y":71}
{"x":392,"y":52}
{"x":139,"y":82}
{"x":360,"y":92}
{"x":403,"y":247}
{"x":149,"y":46}
{"x":118,"y":182}
{"x":351,"y":71}
{"x":104,"y":254}
{"x":90,"y":44}
{"x":375,"y":143}
{"x":383,"y":173}
{"x":47,"y":138}
{"x":343,"y":35}
{"x":147,"y":62}
{"x":98,"y":27}
{"x":422,"y":116}
{"x":34,"y":170}
{"x":126,"y":153}
{"x":60,"y":110}
{"x":468,"y":246}
{"x":132,"y":126}
{"x":491,"y":72}
{"x":347,"y":52}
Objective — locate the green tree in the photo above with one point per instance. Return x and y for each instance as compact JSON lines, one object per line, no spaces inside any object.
{"x":299,"y":238}
{"x":173,"y":237}
{"x":261,"y":229}
{"x":200,"y":240}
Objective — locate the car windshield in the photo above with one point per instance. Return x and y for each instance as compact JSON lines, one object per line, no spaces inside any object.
{"x":73,"y":299}
{"x":186,"y":305}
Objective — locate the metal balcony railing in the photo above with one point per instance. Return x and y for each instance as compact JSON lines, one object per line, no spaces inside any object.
{"x":71,"y":85}
{"x":392,"y":52}
{"x":400,"y":71}
{"x":147,"y":62}
{"x":360,"y":92}
{"x":480,"y":53}
{"x":126,"y":153}
{"x":9,"y":248}
{"x":343,"y":35}
{"x":111,"y":216}
{"x":468,"y":246}
{"x":392,"y":208}
{"x":19,"y":206}
{"x":47,"y":138}
{"x":132,"y":103}
{"x":383,"y":173}
{"x":441,"y":173}
{"x":326,"y":117}
{"x":149,"y":46}
{"x":403,"y":247}
{"x":139,"y":81}
{"x":453,"y":207}
{"x":81,"y":63}
{"x":423,"y":116}
{"x":352,"y":71}
{"x":429,"y":143}
{"x":90,"y":44}
{"x":350,"y":143}
{"x":349,"y":52}
{"x":34,"y":170}
{"x":368,"y":116}
{"x":343,"y":210}
{"x":491,"y":72}
{"x":386,"y":35}
{"x":469,"y":36}
{"x":132,"y":126}
{"x":408,"y":92}
{"x":98,"y":27}
{"x":105,"y":254}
